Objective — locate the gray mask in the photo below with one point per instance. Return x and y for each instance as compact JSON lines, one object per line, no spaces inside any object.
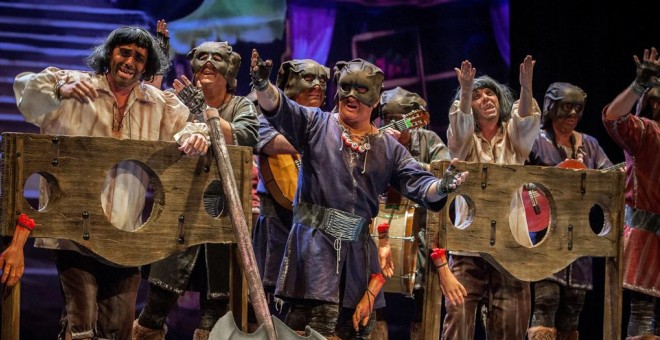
{"x":221,"y":56}
{"x":397,"y":102}
{"x":299,"y":75}
{"x":359,"y":79}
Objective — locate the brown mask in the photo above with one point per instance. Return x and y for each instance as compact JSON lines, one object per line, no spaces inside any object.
{"x":221,"y":56}
{"x":561,"y":101}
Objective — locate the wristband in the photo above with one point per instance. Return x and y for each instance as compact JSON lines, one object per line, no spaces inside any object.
{"x":383,"y":230}
{"x":57,"y":87}
{"x":25,"y":222}
{"x":638,"y":88}
{"x":438,"y":254}
{"x":378,"y":276}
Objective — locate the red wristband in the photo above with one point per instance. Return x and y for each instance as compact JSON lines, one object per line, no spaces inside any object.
{"x":25,"y":222}
{"x":383,"y":230}
{"x":438,"y":254}
{"x":378,"y":276}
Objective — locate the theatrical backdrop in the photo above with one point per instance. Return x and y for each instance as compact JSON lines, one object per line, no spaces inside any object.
{"x":417,"y":43}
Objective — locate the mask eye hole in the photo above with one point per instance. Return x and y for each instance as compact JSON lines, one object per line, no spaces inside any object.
{"x":345,"y":87}
{"x":362,"y":89}
{"x":569,"y":107}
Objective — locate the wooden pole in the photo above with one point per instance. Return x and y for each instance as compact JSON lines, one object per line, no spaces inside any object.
{"x":11,"y":313}
{"x":255,"y":286}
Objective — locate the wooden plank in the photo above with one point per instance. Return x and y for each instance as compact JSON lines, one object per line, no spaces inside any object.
{"x":11,"y":300}
{"x":613,"y":292}
{"x":76,"y":170}
{"x":431,"y":320}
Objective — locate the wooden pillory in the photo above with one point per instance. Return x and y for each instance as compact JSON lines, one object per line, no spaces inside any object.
{"x":490,"y":189}
{"x":75,"y":169}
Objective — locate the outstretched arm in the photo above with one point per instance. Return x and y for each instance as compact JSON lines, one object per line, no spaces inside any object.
{"x":648,"y":72}
{"x":450,"y":181}
{"x":267,"y":94}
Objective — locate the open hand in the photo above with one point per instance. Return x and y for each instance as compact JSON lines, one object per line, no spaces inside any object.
{"x":260,"y":71}
{"x":12,"y":265}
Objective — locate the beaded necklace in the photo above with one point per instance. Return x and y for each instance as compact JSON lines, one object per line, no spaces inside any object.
{"x":359,"y":147}
{"x":355,"y":147}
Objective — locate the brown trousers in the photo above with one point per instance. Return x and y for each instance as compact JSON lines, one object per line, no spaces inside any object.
{"x":508,"y":301}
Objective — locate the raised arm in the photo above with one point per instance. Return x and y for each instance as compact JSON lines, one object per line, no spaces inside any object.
{"x":267,"y":95}
{"x":525,"y":105}
{"x":163,"y":38}
{"x":461,"y":121}
{"x":648,"y":71}
{"x":465,"y":76}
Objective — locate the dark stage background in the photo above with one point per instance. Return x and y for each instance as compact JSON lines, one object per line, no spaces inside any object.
{"x":417,"y":43}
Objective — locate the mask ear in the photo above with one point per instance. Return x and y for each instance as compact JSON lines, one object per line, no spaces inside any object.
{"x":190,"y":54}
{"x":337,"y":70}
{"x":283,"y":74}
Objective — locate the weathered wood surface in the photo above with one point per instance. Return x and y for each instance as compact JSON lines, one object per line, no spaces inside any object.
{"x":491,"y":187}
{"x":10,"y":322}
{"x":81,"y":166}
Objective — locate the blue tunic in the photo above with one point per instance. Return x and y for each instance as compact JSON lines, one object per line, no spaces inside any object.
{"x":333,"y":176}
{"x":272,"y":228}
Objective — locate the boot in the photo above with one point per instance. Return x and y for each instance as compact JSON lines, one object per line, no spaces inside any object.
{"x":380,"y":331}
{"x":568,"y":335}
{"x":541,"y":333}
{"x":144,"y":333}
{"x":416,"y":332}
{"x":201,"y":334}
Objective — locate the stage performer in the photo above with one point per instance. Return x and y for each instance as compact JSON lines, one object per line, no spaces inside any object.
{"x":110,"y":101}
{"x":558,"y":299}
{"x":485,"y":125}
{"x":639,"y":137}
{"x":204,"y":268}
{"x":330,"y":263}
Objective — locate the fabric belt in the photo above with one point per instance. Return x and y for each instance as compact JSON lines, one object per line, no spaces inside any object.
{"x":337,"y":223}
{"x":641,"y":219}
{"x":267,"y":206}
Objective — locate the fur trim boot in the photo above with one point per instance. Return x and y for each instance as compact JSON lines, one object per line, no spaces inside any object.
{"x":416,"y":331}
{"x":380,"y":331}
{"x":201,"y":334}
{"x":569,"y":335}
{"x":144,"y":333}
{"x":541,"y":333}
